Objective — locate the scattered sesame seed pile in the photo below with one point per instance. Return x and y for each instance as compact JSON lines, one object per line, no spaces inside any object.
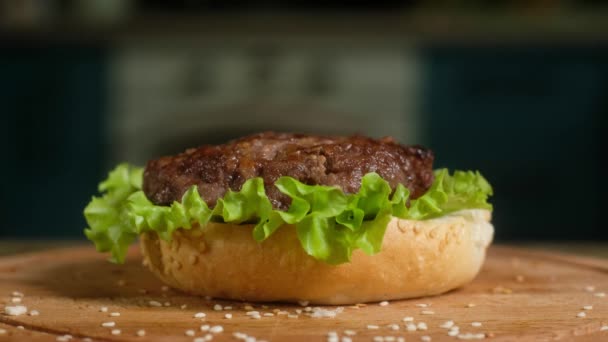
{"x":383,"y":332}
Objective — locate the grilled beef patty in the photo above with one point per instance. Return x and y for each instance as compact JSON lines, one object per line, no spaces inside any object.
{"x":326,"y":160}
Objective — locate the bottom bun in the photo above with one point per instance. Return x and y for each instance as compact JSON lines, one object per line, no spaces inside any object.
{"x":418,"y":258}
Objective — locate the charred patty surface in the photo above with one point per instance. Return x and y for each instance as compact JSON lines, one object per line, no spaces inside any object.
{"x":326,"y":160}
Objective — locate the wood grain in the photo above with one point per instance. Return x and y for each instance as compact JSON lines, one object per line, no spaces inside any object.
{"x":520,"y":295}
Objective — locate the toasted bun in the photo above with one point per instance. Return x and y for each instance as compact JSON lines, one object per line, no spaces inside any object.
{"x":418,"y":258}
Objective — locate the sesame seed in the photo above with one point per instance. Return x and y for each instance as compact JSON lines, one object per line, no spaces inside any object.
{"x":447,"y":324}
{"x":2,"y":331}
{"x":589,"y":288}
{"x":108,"y":324}
{"x":604,"y":328}
{"x":308,"y":309}
{"x":15,"y":310}
{"x":190,"y":332}
{"x":600,"y":294}
{"x":205,"y":327}
{"x":228,"y":316}
{"x":476,"y":324}
{"x":372,"y":327}
{"x":103,"y":309}
{"x":400,"y":339}
{"x":268,"y":314}
{"x":422,"y":305}
{"x":453,"y":333}
{"x":346,"y":339}
{"x":208,"y":337}
{"x":17,"y":294}
{"x":581,"y":314}
{"x":470,"y":305}
{"x":332,"y":333}
{"x":588,"y":307}
{"x":298,"y":311}
{"x":349,"y":332}
{"x":154,"y":303}
{"x":422,"y":326}
{"x":227,"y":307}
{"x":282,"y":313}
{"x":141,"y":333}
{"x":303,"y":302}
{"x":427,"y":312}
{"x":200,"y":315}
{"x":20,"y":327}
{"x":408,"y":319}
{"x":218,"y":307}
{"x":114,"y":314}
{"x":115,"y":331}
{"x":383,"y":303}
{"x":394,"y":326}
{"x":333,"y":339}
{"x":87,"y":339}
{"x":62,"y":339}
{"x":199,"y":339}
{"x":216,"y":329}
{"x":16,"y":299}
{"x":389,"y":338}
{"x":34,"y":313}
{"x":292,"y":316}
{"x":378,"y":339}
{"x":411,"y":327}
{"x":425,"y":338}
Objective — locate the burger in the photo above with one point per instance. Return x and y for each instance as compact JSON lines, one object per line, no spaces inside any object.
{"x":293,"y":217}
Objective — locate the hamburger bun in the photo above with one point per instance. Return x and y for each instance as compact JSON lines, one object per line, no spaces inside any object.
{"x":418,"y":258}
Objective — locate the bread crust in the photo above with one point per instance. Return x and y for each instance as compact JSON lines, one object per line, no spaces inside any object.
{"x":418,"y":258}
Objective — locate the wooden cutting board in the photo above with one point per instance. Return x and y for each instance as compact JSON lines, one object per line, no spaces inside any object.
{"x":519,"y":296}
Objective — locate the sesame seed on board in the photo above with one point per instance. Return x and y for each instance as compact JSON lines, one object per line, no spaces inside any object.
{"x":200,"y":315}
{"x":604,"y":328}
{"x":141,"y":333}
{"x":447,"y":324}
{"x":154,"y":303}
{"x":588,"y":307}
{"x":16,"y":310}
{"x":108,"y":324}
{"x":190,"y":333}
{"x":383,"y":303}
{"x":34,"y":313}
{"x":2,"y":331}
{"x":600,"y":294}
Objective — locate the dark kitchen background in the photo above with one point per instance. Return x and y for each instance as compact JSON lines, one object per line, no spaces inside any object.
{"x":515,"y":89}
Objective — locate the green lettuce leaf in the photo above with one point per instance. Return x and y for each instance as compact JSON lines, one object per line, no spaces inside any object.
{"x":329,"y":223}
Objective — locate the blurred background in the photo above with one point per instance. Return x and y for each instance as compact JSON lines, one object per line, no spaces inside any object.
{"x":515,"y":89}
